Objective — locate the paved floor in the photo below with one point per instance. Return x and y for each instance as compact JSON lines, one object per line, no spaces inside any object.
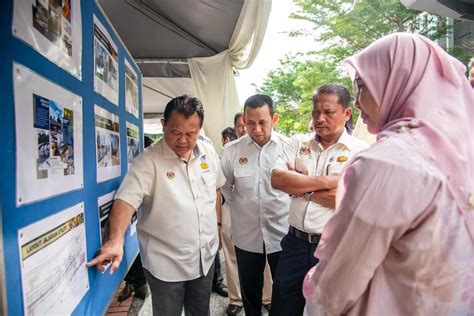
{"x":139,"y":307}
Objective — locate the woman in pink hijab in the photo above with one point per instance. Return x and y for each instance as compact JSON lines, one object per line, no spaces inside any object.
{"x":402,"y":239}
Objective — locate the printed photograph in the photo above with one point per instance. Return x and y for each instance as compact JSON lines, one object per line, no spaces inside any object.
{"x":111,"y":77}
{"x":101,"y":61}
{"x":132,"y":149}
{"x":104,"y":156}
{"x":115,"y":144}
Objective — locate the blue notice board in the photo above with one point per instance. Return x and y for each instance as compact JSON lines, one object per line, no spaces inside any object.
{"x":60,"y":62}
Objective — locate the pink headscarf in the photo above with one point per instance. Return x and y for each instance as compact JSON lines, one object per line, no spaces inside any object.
{"x":423,"y":91}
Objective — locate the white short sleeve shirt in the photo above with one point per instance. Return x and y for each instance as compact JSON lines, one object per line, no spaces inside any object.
{"x":259,"y":212}
{"x":306,"y":155}
{"x":177,"y":224}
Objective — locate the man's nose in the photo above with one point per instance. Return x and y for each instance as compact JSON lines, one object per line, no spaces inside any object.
{"x":182,"y":138}
{"x":320,"y":118}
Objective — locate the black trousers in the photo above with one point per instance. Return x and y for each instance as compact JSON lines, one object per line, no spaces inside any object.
{"x":297,"y":257}
{"x":217,"y":277}
{"x":251,"y":266}
{"x":135,"y":275}
{"x":169,"y":298}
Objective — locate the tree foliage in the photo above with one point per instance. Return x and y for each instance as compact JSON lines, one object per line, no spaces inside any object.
{"x":341,"y":28}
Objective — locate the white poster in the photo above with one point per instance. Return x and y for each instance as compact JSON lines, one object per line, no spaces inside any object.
{"x":48,"y":122}
{"x":54,"y":275}
{"x":53,"y":28}
{"x":131,"y":89}
{"x":105,"y":206}
{"x":106,"y":79}
{"x":133,"y":148}
{"x":107,"y":134}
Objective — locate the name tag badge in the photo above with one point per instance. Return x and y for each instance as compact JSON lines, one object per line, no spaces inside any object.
{"x":342,"y":159}
{"x":243,"y":160}
{"x":304,"y":150}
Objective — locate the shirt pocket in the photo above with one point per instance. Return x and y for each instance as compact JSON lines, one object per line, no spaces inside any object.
{"x":244,"y":179}
{"x":304,"y":165}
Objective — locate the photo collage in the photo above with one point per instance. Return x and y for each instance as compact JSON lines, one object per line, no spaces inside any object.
{"x":54,"y":125}
{"x":52,"y":18}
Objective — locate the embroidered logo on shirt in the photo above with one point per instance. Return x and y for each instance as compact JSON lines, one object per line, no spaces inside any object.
{"x":304,"y":150}
{"x":342,"y":159}
{"x":332,"y":159}
{"x":170,"y":174}
{"x":243,"y":160}
{"x":203,"y":159}
{"x":204,"y":166}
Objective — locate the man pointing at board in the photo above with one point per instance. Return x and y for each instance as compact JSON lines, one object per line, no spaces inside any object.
{"x":176,"y":182}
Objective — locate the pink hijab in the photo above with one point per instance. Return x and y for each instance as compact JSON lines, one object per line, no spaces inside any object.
{"x":422,"y":90}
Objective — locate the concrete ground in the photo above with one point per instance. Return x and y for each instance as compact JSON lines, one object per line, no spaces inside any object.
{"x":139,"y":307}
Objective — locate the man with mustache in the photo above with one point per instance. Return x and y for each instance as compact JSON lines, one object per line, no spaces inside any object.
{"x":308,"y":170}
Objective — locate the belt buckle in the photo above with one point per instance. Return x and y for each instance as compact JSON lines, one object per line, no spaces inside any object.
{"x":310,"y":238}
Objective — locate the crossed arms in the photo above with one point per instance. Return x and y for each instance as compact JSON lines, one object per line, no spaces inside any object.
{"x":322,"y":188}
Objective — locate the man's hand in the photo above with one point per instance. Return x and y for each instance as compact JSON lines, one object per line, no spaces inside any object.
{"x":111,"y":252}
{"x":326,"y":198}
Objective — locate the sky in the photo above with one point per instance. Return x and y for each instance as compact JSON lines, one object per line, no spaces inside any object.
{"x":275,"y":46}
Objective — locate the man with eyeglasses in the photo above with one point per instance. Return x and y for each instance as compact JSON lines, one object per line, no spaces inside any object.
{"x":309,"y":170}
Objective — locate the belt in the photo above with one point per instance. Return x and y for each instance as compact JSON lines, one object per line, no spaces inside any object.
{"x":311,"y":238}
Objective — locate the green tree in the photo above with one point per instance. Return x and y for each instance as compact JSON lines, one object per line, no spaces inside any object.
{"x":342,"y":28}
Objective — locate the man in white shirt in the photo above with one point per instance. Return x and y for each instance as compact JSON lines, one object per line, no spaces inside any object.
{"x":177,"y":184}
{"x":309,"y":169}
{"x":259,"y":213}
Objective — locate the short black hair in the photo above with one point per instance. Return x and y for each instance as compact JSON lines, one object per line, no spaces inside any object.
{"x":237,"y":116}
{"x":230,"y":133}
{"x":185,"y":105}
{"x":258,"y":101}
{"x":343,"y":95}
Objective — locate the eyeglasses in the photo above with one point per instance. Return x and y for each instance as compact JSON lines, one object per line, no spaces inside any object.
{"x":357,"y":88}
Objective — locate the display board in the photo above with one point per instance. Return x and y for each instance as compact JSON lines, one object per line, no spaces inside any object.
{"x":62,"y":67}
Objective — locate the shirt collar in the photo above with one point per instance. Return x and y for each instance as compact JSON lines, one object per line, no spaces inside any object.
{"x":273,"y":138}
{"x":345,"y":139}
{"x":168,"y":153}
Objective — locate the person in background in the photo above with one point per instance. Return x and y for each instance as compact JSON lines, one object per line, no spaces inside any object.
{"x":235,"y":300}
{"x":218,"y":285}
{"x":239,"y":125}
{"x":177,"y":184}
{"x":259,"y":213}
{"x":402,"y":239}
{"x":309,"y":169}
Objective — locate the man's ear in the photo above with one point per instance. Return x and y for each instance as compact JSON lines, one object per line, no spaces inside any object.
{"x":348,"y":113}
{"x":275,"y":118}
{"x":163,"y":123}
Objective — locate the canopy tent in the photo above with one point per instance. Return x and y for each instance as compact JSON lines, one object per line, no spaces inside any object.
{"x":191,"y":46}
